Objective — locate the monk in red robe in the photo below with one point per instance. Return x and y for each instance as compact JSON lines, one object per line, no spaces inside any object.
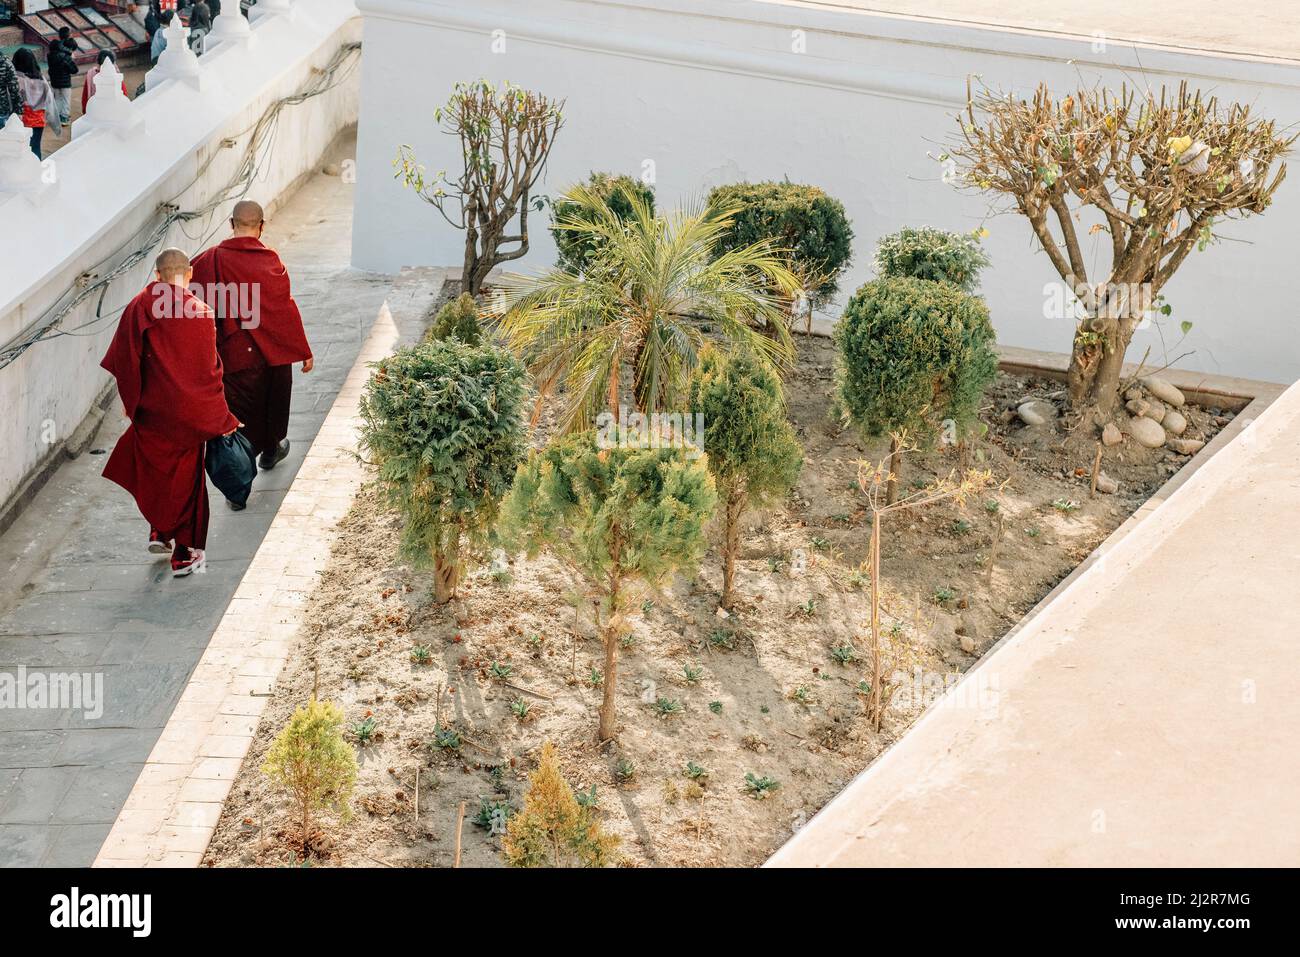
{"x":259,"y":330}
{"x":164,"y":358}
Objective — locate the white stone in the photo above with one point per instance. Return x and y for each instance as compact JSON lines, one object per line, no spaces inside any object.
{"x":1163,"y":390}
{"x":968,"y":644}
{"x":1036,"y":412}
{"x":1185,"y":446}
{"x":1111,"y":435}
{"x":1147,"y":432}
{"x":1106,"y":484}
{"x":1175,"y":422}
{"x":1156,"y":411}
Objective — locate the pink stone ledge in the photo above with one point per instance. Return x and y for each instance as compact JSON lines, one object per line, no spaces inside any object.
{"x":170,"y":815}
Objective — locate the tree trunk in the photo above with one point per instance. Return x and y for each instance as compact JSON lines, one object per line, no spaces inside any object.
{"x":1093,"y":377}
{"x":606,"y":729}
{"x":874,"y":695}
{"x":446,"y":572}
{"x":895,"y":467}
{"x":735,"y":508}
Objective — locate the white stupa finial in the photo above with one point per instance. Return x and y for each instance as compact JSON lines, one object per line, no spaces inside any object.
{"x":230,"y":24}
{"x":20,"y":170}
{"x":109,"y":108}
{"x":178,"y":61}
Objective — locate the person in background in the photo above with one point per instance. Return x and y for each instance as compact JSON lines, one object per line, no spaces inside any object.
{"x":160,"y":35}
{"x":152,"y":23}
{"x":215,"y":7}
{"x":200,"y":17}
{"x":164,"y":358}
{"x":88,"y":90}
{"x":62,"y":69}
{"x":11,"y":94}
{"x":38,"y":110}
{"x":259,"y":330}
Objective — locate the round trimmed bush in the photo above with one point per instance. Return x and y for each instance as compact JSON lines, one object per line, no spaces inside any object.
{"x":457,"y":319}
{"x":912,"y":354}
{"x":799,"y":218}
{"x":443,"y":423}
{"x":929,"y":253}
{"x":575,"y":247}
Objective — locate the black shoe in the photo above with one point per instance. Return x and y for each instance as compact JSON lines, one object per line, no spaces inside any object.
{"x":236,"y":506}
{"x":269,"y":460}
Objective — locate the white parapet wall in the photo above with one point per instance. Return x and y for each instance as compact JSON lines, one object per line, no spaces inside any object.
{"x":101,"y":196}
{"x":705,"y":92}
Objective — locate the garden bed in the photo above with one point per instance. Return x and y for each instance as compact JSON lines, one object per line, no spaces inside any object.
{"x":761,"y":690}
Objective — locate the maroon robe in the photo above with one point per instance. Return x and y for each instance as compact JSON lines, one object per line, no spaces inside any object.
{"x":259,"y":333}
{"x":164,"y":358}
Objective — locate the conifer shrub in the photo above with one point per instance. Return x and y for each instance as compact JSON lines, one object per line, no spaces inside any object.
{"x":575,"y":246}
{"x":457,"y":319}
{"x":752,"y":450}
{"x":935,"y":254}
{"x":313,"y":763}
{"x":554,"y":829}
{"x":802,"y":220}
{"x":443,"y":423}
{"x":915,"y":356}
{"x":625,"y":518}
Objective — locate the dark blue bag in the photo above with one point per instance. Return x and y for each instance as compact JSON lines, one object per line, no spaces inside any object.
{"x":232,"y":466}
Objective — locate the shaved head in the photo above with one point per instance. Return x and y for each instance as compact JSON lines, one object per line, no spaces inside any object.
{"x":172,"y":265}
{"x":247,"y":215}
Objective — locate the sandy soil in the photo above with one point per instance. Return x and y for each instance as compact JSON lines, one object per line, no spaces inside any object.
{"x":764,"y":695}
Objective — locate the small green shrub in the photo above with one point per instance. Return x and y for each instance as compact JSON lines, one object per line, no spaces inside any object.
{"x":760,"y":787}
{"x":554,"y":829}
{"x":443,"y":423}
{"x":624,"y":518}
{"x":312,"y":762}
{"x":914,"y":357}
{"x":752,"y":450}
{"x":810,"y":226}
{"x":457,"y":319}
{"x":493,"y":815}
{"x":574,"y":246}
{"x":933,"y":254}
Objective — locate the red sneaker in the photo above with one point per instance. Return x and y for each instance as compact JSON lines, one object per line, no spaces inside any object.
{"x":186,"y":561}
{"x":157,"y":544}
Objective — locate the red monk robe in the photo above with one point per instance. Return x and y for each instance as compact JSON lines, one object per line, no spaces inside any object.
{"x":259,"y":335}
{"x":164,"y":358}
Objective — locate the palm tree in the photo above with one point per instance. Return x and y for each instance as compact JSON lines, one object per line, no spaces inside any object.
{"x":649,"y":287}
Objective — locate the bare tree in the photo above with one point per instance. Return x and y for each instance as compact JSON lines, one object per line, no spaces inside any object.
{"x":1155,"y":171}
{"x":505,"y":137}
{"x":875,"y":480}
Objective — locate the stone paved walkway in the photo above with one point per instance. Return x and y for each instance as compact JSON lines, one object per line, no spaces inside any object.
{"x":78,"y":592}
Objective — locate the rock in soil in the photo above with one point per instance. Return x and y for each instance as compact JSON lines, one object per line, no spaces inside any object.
{"x":1164,"y":391}
{"x":1036,"y":412}
{"x":1111,"y":435}
{"x":1185,"y":446}
{"x":1106,"y":484}
{"x":1175,"y":422}
{"x":968,"y":644}
{"x":1157,"y":412}
{"x":1137,"y":407}
{"x":1147,"y":432}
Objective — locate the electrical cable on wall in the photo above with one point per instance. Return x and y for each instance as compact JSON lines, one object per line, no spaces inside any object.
{"x":154,"y":233}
